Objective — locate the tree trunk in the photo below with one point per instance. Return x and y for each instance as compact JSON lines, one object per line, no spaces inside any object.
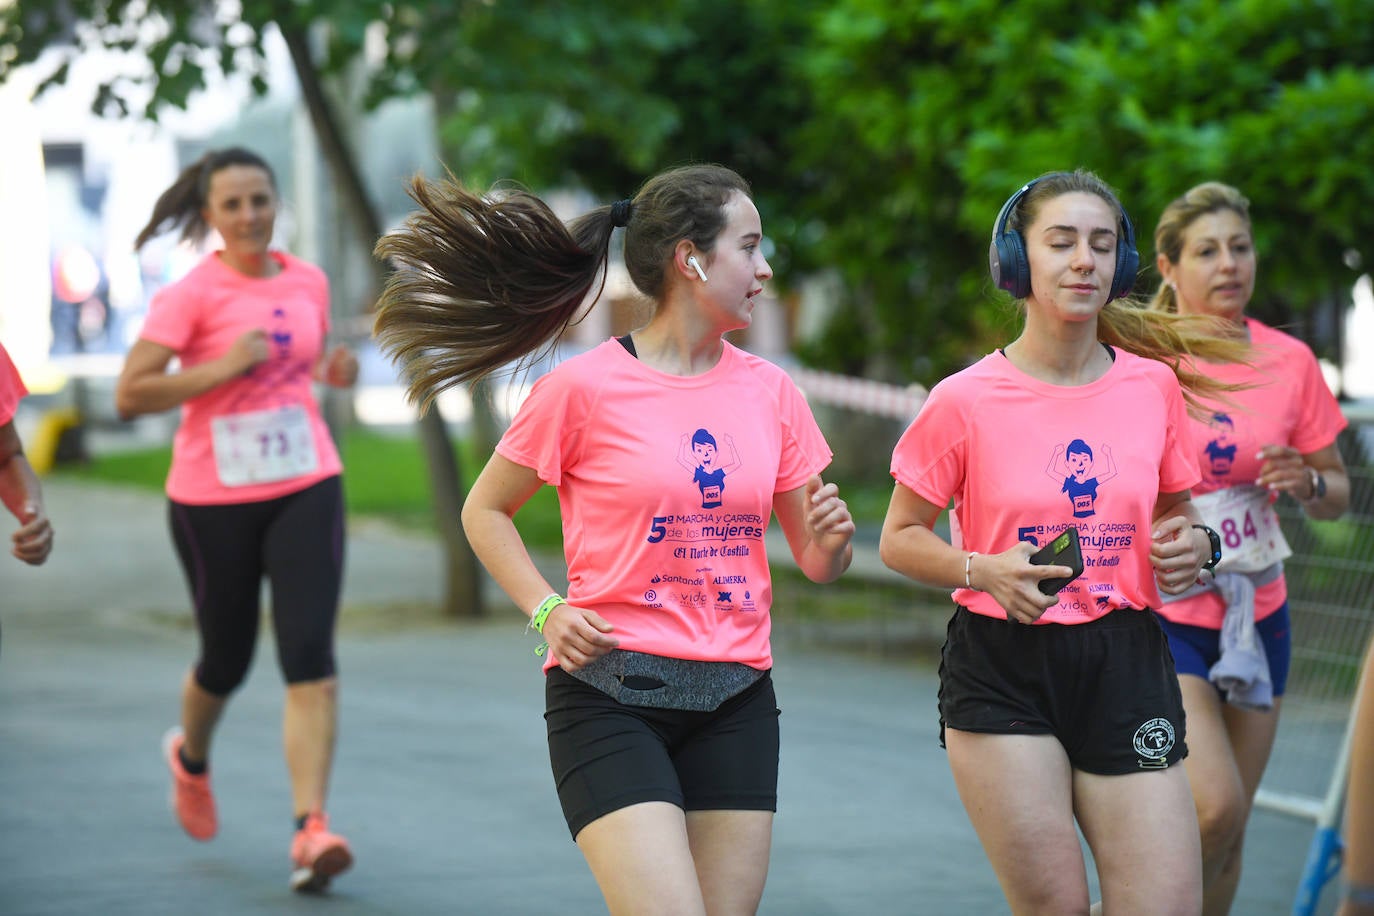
{"x":462,"y":582}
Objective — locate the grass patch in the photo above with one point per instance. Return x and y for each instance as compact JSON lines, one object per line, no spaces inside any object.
{"x":384,"y":477}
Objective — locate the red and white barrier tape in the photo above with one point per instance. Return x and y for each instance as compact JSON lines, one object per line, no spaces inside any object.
{"x":861,"y":394}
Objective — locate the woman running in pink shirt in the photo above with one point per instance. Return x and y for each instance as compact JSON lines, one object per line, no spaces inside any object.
{"x":670,"y":449}
{"x":1275,"y":434}
{"x":255,"y":487}
{"x":1061,"y":706}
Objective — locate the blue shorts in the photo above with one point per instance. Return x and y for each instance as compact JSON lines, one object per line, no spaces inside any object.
{"x":1196,"y":649}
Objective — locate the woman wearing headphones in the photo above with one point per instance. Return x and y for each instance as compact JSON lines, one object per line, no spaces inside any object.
{"x":1058,"y":702}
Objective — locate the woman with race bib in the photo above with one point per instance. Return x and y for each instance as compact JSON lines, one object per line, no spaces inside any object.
{"x":1275,"y":434}
{"x":255,"y":484}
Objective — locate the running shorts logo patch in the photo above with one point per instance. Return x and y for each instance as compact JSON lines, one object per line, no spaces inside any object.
{"x":1153,"y":742}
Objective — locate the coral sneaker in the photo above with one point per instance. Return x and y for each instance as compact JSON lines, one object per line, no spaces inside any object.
{"x":317,"y":855}
{"x":191,"y":800}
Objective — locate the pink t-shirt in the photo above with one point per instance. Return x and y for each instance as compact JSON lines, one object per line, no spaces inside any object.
{"x":1290,"y":404}
{"x":1023,"y":460}
{"x":665,"y":485}
{"x":199,"y":317}
{"x":11,"y":387}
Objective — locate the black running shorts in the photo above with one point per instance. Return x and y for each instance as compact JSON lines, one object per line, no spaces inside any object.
{"x":1105,"y":689}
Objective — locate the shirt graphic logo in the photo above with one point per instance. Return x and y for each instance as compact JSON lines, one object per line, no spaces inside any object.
{"x":1221,"y":451}
{"x":1080,"y":474}
{"x":698,"y":453}
{"x":280,"y":334}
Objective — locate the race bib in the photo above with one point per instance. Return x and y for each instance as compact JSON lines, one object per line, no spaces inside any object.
{"x":1251,"y":539}
{"x":263,"y":446}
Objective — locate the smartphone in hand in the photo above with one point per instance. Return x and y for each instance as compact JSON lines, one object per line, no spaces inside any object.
{"x":1064,"y":550}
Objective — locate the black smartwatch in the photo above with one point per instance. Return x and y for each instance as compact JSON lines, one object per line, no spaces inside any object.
{"x":1215,"y":540}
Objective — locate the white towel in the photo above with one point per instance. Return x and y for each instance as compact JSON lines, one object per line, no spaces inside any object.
{"x":1242,"y":672}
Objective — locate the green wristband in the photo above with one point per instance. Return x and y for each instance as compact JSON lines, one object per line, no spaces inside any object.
{"x":541,"y":613}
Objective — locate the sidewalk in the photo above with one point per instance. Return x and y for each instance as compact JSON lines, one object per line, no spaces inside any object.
{"x":441,"y":781}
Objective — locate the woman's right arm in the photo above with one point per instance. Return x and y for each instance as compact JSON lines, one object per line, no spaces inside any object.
{"x":145,"y":386}
{"x":910,"y":546}
{"x":575,"y":635}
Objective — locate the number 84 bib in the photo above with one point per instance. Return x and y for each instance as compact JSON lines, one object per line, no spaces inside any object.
{"x":1251,"y":538}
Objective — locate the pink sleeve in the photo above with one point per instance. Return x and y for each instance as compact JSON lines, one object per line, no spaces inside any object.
{"x":1321,"y":415}
{"x":171,"y":317}
{"x":11,"y":387}
{"x":544,"y":431}
{"x":1178,"y":467}
{"x":930,"y":457}
{"x":804,"y":449}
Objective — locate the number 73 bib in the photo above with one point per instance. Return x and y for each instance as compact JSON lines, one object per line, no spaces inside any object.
{"x":1251,"y":538}
{"x":263,"y":446}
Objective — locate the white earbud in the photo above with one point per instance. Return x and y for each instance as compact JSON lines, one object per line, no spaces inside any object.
{"x":695,"y":265}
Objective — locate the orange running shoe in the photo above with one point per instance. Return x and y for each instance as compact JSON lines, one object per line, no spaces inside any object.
{"x":317,"y":855}
{"x":191,"y":800}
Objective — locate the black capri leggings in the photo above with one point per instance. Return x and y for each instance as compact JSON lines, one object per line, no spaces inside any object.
{"x":297,"y":542}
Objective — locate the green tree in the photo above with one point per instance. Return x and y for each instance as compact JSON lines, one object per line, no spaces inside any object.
{"x":183,"y":42}
{"x":882,"y":138}
{"x":948,"y":106}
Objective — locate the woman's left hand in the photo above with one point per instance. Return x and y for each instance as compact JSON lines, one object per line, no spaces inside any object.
{"x":827,"y":516}
{"x":1176,"y":555}
{"x":33,"y":541}
{"x":1282,"y":470}
{"x":340,"y":367}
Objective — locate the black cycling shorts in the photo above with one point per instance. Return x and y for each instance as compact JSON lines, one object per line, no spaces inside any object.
{"x":607,"y":755}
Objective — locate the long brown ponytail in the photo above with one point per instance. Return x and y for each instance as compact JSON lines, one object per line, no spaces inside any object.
{"x":485,"y":280}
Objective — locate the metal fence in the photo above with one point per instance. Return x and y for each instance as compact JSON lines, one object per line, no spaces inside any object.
{"x":1330,"y":596}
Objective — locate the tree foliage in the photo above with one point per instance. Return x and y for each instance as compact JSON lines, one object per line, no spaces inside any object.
{"x":881,"y":138}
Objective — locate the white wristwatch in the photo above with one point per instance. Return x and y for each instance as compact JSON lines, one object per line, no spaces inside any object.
{"x":1318,"y":484}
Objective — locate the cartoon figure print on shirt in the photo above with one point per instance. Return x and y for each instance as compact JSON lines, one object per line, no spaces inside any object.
{"x":280,"y":334}
{"x":699,"y":454}
{"x":1075,"y":466}
{"x":1221,"y":451}
{"x":706,"y":545}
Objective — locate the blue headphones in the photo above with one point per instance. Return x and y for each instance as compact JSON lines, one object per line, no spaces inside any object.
{"x":1007,"y":253}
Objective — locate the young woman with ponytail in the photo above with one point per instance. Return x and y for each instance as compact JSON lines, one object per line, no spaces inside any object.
{"x":670,"y":449}
{"x":255,"y":485}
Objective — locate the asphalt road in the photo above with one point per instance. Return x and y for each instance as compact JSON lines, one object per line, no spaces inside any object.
{"x":441,"y":781}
